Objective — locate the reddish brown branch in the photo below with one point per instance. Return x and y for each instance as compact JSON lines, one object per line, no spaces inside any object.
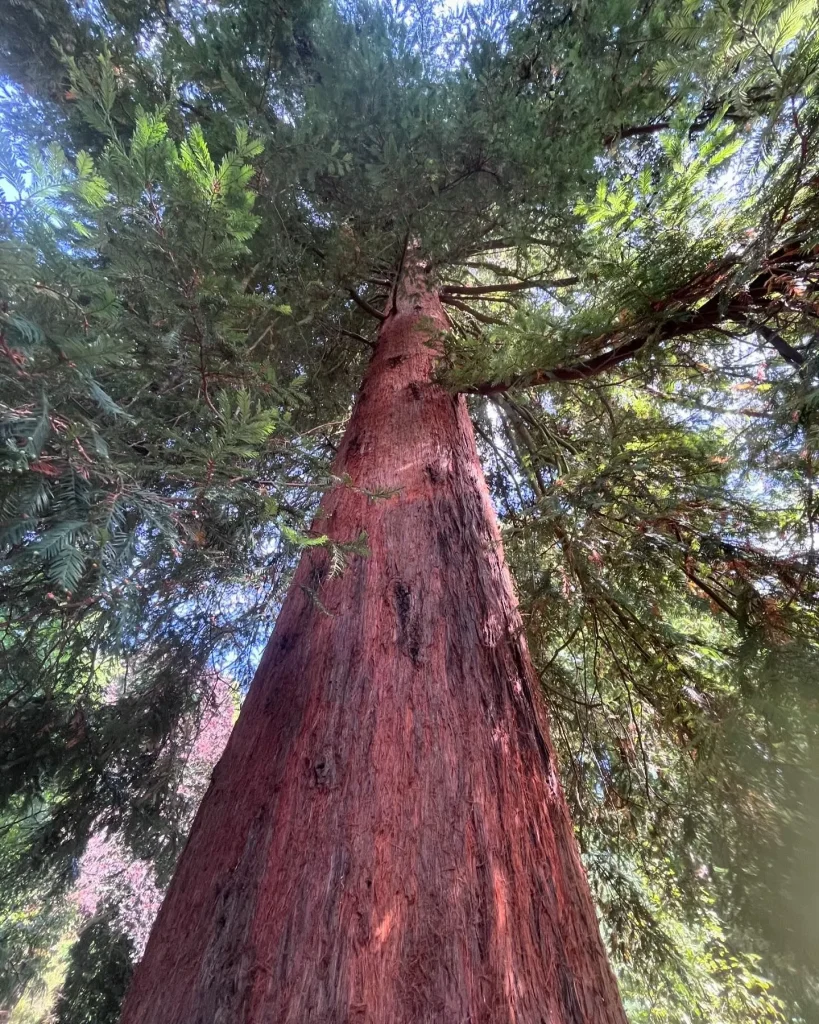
{"x":634,"y":131}
{"x":624,"y":346}
{"x":684,"y":318}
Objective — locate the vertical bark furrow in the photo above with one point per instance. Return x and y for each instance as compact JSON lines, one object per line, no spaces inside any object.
{"x":385,"y":840}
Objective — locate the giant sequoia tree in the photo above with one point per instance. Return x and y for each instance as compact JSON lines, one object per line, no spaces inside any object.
{"x":267,"y":276}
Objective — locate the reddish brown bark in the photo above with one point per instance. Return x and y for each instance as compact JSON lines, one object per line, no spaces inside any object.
{"x":385,"y":839}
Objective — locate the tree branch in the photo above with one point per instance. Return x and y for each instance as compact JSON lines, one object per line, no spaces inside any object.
{"x":357,"y":337}
{"x":715,"y":597}
{"x":699,"y":124}
{"x":518,"y":286}
{"x":582,"y":370}
{"x":495,"y":268}
{"x":493,"y":244}
{"x":739,"y":308}
{"x":631,"y":131}
{"x":483,"y":318}
{"x":366,"y":306}
{"x":787,"y":351}
{"x":691,"y":405}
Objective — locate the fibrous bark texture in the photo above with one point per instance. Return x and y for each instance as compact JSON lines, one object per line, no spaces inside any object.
{"x":385,"y":840}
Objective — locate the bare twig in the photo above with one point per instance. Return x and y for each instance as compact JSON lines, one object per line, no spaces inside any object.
{"x":518,"y":286}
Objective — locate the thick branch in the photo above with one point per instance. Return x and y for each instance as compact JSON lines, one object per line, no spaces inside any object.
{"x":740,"y":308}
{"x":566,"y":374}
{"x":495,"y":268}
{"x":633,"y":131}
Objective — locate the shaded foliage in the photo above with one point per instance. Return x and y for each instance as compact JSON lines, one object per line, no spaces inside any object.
{"x":99,"y":952}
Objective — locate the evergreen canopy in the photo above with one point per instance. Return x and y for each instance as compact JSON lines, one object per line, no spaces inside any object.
{"x":205,"y":207}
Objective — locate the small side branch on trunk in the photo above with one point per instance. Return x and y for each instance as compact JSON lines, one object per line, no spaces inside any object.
{"x":357,"y":337}
{"x":363,"y":304}
{"x":483,"y":318}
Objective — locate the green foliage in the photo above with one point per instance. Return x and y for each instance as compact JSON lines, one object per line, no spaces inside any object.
{"x":33,"y":933}
{"x":99,"y":970}
{"x":38,"y":999}
{"x":191,"y":194}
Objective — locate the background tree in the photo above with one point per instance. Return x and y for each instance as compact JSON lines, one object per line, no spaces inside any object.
{"x":620,"y":216}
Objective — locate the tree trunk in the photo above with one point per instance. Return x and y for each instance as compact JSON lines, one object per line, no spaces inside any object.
{"x":385,"y":840}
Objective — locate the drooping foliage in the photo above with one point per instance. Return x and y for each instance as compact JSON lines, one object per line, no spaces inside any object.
{"x":100,"y":952}
{"x":203,"y":209}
